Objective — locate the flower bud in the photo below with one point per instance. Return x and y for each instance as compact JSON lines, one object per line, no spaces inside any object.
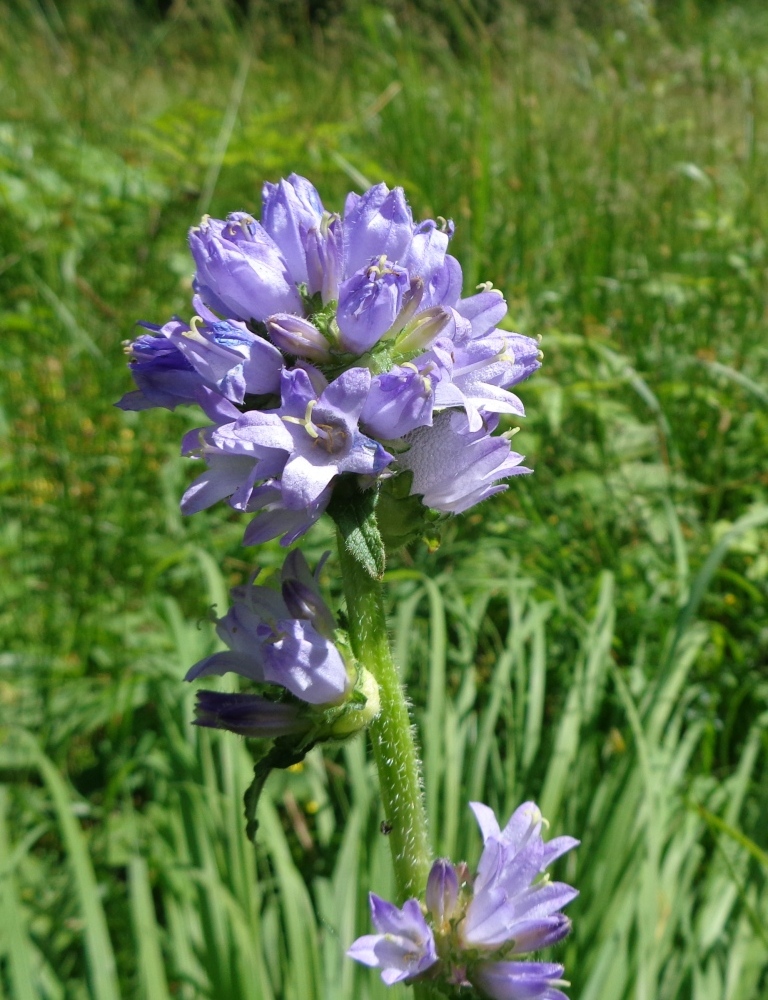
{"x":369,"y":303}
{"x":249,"y":715}
{"x":289,"y":210}
{"x":442,"y":891}
{"x":297,"y":336}
{"x":423,"y":330}
{"x":325,"y":258}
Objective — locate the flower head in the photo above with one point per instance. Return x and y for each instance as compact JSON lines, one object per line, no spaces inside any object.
{"x":327,"y":346}
{"x":404,"y":946}
{"x":473,"y":926}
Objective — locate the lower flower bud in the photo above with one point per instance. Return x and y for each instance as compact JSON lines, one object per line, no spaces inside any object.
{"x":297,"y":336}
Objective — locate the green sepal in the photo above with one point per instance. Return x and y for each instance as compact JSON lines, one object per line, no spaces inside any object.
{"x":402,"y":518}
{"x":432,"y":536}
{"x":321,"y":315}
{"x":354,"y":513}
{"x":312,"y":303}
{"x":281,"y":754}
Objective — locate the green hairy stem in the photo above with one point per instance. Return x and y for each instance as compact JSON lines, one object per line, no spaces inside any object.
{"x":391,"y":733}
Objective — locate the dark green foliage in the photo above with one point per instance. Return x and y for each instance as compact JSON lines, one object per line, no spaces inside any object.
{"x":282,"y":754}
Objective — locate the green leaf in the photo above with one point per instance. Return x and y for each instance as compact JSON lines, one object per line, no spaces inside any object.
{"x":282,"y":754}
{"x":99,"y":953}
{"x":402,"y":518}
{"x":150,"y":965}
{"x":354,"y":512}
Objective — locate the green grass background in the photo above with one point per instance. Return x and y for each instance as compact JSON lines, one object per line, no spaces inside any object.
{"x":596,"y":638}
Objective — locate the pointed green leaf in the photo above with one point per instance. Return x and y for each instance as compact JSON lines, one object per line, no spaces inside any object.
{"x":354,"y":511}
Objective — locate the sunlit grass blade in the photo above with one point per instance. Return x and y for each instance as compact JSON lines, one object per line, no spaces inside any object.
{"x":14,"y":934}
{"x":150,"y":966}
{"x":302,"y":973}
{"x":98,"y":945}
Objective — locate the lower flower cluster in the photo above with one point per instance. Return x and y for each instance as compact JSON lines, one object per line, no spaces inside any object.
{"x":474,"y":931}
{"x":286,"y":642}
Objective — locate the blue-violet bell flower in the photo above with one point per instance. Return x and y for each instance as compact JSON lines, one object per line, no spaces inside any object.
{"x":404,"y":946}
{"x":455,"y":468}
{"x":318,"y":431}
{"x":241,"y":272}
{"x":233,"y":470}
{"x":290,"y":209}
{"x":403,"y":398}
{"x":275,"y":520}
{"x":510,"y":906}
{"x":369,"y":303}
{"x":170,"y":366}
{"x":469,"y":928}
{"x":376,"y":223}
{"x":163,"y":376}
{"x":270,"y":643}
{"x":325,"y":258}
{"x":520,"y":980}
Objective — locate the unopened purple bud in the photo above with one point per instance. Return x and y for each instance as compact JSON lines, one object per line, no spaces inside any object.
{"x":248,"y":715}
{"x":289,"y":210}
{"x":303,"y":602}
{"x":442,"y":891}
{"x":411,"y":302}
{"x":424,"y":329}
{"x":297,"y":336}
{"x":369,"y":303}
{"x":325,"y":258}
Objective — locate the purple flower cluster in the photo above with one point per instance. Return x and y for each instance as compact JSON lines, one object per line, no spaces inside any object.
{"x":325,"y":345}
{"x":473,"y":932}
{"x":281,"y":639}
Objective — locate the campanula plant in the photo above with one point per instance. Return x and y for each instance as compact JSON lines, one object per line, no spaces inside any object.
{"x":342,"y":373}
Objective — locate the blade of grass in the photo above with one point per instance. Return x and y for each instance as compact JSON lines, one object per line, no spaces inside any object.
{"x":219,"y":150}
{"x":13,"y":929}
{"x":150,"y":966}
{"x":98,"y":946}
